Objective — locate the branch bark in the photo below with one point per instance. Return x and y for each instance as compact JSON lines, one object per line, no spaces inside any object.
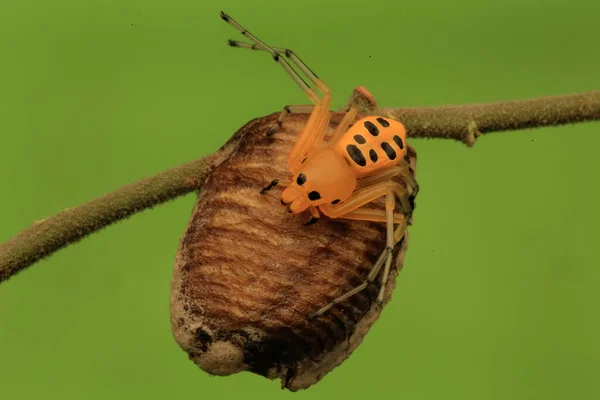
{"x":466,"y":123}
{"x":69,"y":226}
{"x":462,"y":123}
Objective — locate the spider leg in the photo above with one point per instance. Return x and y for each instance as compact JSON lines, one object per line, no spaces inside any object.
{"x":359,"y":288}
{"x":344,"y":124}
{"x":271,"y":185}
{"x":275,"y":182}
{"x":352,"y":208}
{"x":287,"y":110}
{"x":359,"y":93}
{"x":364,"y":195}
{"x":342,"y":127}
{"x":318,"y":122}
{"x":314,"y":216}
{"x":360,"y":101}
{"x":384,"y":257}
{"x":312,"y":95}
{"x":363,"y":214}
{"x":312,"y":134}
{"x":278,"y":53}
{"x":401,"y":169}
{"x":297,"y":61}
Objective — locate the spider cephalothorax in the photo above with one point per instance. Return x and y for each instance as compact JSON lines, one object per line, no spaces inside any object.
{"x":325,"y":177}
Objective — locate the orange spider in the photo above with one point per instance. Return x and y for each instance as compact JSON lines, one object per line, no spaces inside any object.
{"x":355,"y":167}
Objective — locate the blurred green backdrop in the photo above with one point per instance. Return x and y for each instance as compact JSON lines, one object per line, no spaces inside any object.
{"x":499,"y":295}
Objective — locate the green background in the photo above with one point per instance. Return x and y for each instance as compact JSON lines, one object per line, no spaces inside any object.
{"x":499,"y":295}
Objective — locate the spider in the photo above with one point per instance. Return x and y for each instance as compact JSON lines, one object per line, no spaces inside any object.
{"x":355,"y":167}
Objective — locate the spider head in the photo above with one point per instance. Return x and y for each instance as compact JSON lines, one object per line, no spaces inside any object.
{"x":324,"y":177}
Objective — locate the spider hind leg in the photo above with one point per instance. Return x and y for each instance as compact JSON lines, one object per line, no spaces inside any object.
{"x":352,"y":209}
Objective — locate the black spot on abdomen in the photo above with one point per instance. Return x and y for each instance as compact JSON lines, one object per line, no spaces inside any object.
{"x":373,"y":130}
{"x":399,"y":141}
{"x":356,"y":155}
{"x":360,"y":139}
{"x":389,"y":150}
{"x":383,"y":122}
{"x":373,"y":155}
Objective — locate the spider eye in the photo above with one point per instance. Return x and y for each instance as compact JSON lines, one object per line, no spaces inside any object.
{"x":301,"y":179}
{"x":336,"y":201}
{"x":314,"y":195}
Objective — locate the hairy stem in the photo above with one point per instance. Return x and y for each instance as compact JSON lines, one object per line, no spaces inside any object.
{"x":51,"y":234}
{"x":463,"y":123}
{"x":466,"y":123}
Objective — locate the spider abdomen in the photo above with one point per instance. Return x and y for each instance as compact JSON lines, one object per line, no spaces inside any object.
{"x":372,"y":144}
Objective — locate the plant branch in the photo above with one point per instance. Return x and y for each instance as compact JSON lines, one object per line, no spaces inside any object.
{"x":69,"y":226}
{"x":466,"y":123}
{"x":462,"y":123}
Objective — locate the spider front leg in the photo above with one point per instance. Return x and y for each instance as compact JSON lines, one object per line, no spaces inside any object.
{"x":342,"y":127}
{"x":287,"y":110}
{"x":350,"y":115}
{"x":352,"y":210}
{"x":278,"y":56}
{"x":270,"y":186}
{"x":314,"y":216}
{"x":312,"y":134}
{"x":318,"y":122}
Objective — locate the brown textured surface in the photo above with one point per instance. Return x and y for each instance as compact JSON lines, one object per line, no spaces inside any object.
{"x":248,"y":274}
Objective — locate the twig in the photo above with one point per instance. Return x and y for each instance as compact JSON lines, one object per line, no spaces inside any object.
{"x":462,"y":123}
{"x":466,"y":123}
{"x":69,"y":226}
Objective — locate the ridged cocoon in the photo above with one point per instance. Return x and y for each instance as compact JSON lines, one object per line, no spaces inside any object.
{"x":248,"y":274}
